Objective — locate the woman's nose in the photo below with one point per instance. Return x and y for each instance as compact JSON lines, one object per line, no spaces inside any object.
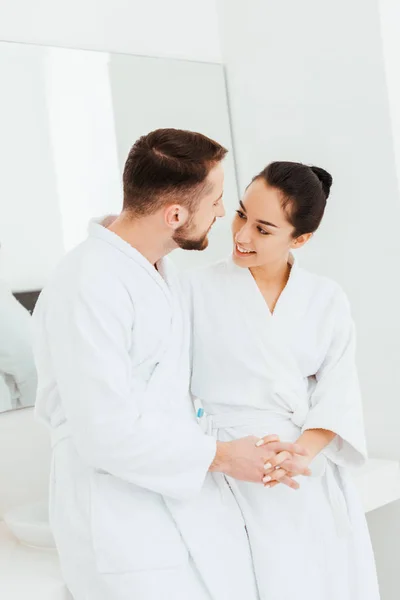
{"x":243,"y":235}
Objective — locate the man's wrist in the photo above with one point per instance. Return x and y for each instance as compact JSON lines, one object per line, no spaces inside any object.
{"x":220,"y":458}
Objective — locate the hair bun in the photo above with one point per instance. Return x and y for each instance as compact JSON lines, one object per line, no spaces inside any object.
{"x":325,"y":178}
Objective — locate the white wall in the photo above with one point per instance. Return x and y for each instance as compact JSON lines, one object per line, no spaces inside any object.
{"x":174,"y":28}
{"x":390,"y":29}
{"x":296,"y":93}
{"x":387,"y":545}
{"x":306,"y":82}
{"x":30,"y":221}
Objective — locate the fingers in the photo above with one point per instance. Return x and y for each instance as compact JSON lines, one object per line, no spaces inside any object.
{"x":300,"y":450}
{"x":276,"y":475}
{"x":275,"y":445}
{"x":282,"y":477}
{"x":267,"y":440}
{"x":287,"y":447}
{"x":268,"y":480}
{"x":278,"y":446}
{"x":294,"y":485}
{"x":292,"y":466}
{"x":276,"y":460}
{"x":272,"y":484}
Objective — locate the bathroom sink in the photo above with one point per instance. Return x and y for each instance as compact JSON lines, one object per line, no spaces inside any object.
{"x":30,"y":525}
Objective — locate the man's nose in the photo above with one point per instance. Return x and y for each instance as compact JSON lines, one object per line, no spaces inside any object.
{"x":220,"y":210}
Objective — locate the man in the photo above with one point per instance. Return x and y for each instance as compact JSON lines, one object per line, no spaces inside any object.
{"x":140,"y":508}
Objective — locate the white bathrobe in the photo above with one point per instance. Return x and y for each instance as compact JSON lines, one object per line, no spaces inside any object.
{"x":257,"y":373}
{"x":134,"y":513}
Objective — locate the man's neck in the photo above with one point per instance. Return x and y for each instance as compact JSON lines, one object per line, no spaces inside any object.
{"x":142,"y":235}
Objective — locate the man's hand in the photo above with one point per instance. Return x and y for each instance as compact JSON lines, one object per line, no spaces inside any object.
{"x":246,"y":460}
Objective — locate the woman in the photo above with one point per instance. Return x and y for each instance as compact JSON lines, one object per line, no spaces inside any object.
{"x":273,"y":352}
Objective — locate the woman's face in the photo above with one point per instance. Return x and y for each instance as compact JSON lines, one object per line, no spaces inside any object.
{"x":262,"y":235}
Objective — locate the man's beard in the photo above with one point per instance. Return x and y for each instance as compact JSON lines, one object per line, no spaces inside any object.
{"x":185,"y":240}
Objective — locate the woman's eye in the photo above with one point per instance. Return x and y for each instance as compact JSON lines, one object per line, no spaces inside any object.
{"x":240,"y":214}
{"x":263,"y":232}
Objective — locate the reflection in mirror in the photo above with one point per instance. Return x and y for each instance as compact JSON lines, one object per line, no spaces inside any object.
{"x":17,"y":370}
{"x":68,"y":119}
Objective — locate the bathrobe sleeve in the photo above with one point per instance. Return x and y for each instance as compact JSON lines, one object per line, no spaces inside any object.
{"x":89,"y":338}
{"x":336,"y":402}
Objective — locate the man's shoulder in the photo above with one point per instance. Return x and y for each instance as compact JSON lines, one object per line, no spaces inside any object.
{"x":87,"y":270}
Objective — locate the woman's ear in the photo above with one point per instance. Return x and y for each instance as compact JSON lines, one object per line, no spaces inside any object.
{"x":301,"y":240}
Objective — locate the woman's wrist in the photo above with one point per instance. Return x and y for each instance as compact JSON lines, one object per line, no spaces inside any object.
{"x":315,"y":440}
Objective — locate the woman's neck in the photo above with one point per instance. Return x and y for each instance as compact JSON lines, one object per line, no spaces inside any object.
{"x":271,"y":281}
{"x":272,"y":275}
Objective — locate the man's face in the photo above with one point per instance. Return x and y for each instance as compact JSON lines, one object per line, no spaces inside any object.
{"x":194,"y":234}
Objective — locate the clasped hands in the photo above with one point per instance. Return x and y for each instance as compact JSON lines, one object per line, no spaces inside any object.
{"x":283,"y":462}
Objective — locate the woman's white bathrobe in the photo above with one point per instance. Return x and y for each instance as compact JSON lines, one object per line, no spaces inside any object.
{"x":257,"y":373}
{"x":135,"y":514}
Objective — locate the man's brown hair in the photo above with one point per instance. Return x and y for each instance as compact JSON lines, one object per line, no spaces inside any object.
{"x":168,"y":165}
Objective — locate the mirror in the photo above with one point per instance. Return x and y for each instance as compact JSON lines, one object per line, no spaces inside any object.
{"x":68,"y":119}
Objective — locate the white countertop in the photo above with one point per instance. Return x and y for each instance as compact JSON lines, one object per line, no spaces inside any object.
{"x":34,"y":574}
{"x":378,"y":483}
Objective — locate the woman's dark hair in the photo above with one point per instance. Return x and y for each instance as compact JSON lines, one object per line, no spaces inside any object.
{"x":305,"y":191}
{"x":165,"y":164}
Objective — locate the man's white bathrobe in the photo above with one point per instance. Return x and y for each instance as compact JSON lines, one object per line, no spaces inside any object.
{"x":257,"y":373}
{"x":135,"y":514}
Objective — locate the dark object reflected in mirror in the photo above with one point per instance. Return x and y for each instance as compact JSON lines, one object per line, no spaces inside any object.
{"x":28,"y":299}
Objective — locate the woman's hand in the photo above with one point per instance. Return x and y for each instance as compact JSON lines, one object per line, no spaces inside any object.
{"x":288,"y":466}
{"x":285,"y":465}
{"x":293,"y":464}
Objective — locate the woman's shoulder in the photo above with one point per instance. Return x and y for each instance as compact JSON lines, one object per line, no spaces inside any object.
{"x":326,"y":288}
{"x":206,"y":274}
